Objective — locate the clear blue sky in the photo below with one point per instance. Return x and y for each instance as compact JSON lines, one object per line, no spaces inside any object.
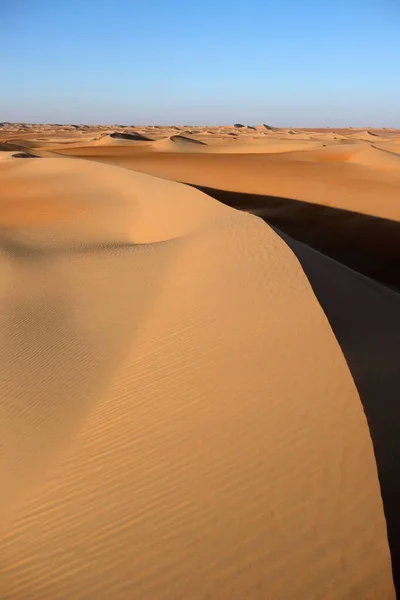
{"x":283,"y":62}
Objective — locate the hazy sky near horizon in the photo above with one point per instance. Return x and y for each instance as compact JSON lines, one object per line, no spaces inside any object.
{"x":283,"y":62}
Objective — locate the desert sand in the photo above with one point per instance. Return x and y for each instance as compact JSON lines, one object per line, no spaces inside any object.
{"x":185,"y":408}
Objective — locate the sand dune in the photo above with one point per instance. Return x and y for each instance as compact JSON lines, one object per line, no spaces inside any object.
{"x":263,"y":146}
{"x":357,"y":153}
{"x":216,"y":145}
{"x":183,"y":139}
{"x":50,"y":134}
{"x":367,"y":244}
{"x":179,"y":143}
{"x":369,"y":186}
{"x":393,"y":146}
{"x":8,"y":146}
{"x":178,"y":417}
{"x":265,"y":127}
{"x":188,"y":469}
{"x":368,"y":136}
{"x":25,"y":155}
{"x":117,"y":136}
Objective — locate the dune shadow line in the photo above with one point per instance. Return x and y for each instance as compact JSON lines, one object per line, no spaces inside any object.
{"x":367,"y":244}
{"x":363,"y":313}
{"x":365,"y":318}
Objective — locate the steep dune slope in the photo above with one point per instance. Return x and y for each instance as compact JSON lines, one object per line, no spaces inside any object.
{"x":179,"y":419}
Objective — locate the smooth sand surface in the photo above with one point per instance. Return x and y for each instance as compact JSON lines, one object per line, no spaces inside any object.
{"x":178,"y":419}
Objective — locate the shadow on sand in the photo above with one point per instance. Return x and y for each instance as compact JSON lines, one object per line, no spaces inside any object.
{"x":363,"y":313}
{"x":367,"y":244}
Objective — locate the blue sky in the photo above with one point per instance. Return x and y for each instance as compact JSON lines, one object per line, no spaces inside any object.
{"x":283,"y":62}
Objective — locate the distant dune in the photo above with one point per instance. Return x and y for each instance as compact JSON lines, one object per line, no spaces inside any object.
{"x":356,"y":153}
{"x":299,"y":169}
{"x":366,"y":136}
{"x":130,"y":136}
{"x":183,"y":139}
{"x":24,"y":155}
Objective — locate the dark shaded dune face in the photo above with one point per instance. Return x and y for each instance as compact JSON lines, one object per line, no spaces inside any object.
{"x":130,"y":136}
{"x":181,"y":139}
{"x":365,"y":318}
{"x":270,"y":127}
{"x":21,"y":144}
{"x":367,"y":244}
{"x":9,"y":147}
{"x":25,"y":155}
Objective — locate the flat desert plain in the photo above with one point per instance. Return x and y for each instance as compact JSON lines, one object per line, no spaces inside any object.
{"x":200,"y":332}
